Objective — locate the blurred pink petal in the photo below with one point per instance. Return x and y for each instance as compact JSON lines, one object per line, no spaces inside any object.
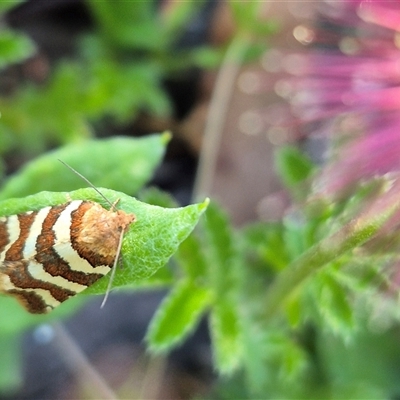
{"x":352,"y":97}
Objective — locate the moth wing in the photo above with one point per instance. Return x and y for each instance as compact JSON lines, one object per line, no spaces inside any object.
{"x":17,"y":268}
{"x":34,"y":300}
{"x":13,"y":265}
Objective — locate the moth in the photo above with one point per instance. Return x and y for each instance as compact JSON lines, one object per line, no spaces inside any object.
{"x":51,"y":254}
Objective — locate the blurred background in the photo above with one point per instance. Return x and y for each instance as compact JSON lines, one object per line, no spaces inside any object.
{"x":102,"y":69}
{"x":232,"y":82}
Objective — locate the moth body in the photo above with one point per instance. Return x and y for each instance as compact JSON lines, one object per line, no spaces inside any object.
{"x":49,"y":255}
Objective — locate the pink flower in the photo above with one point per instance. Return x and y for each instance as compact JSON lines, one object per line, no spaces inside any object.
{"x":349,"y":88}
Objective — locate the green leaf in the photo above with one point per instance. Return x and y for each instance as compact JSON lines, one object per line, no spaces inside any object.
{"x":148,"y":244}
{"x":178,"y":16}
{"x":122,"y":90}
{"x":268,"y":242}
{"x":7,"y":5}
{"x":222,"y":274}
{"x":128,"y":24}
{"x":355,"y":233}
{"x":207,"y":57}
{"x":157,"y":197}
{"x":178,"y":315}
{"x":292,"y":166}
{"x":15,"y":319}
{"x":254,"y":356}
{"x":294,"y":234}
{"x":77,"y":93}
{"x":14,"y":47}
{"x":191,"y":258}
{"x":245,"y":13}
{"x":225,"y":335}
{"x":10,"y":364}
{"x":274,"y":362}
{"x":294,"y":311}
{"x":130,"y":166}
{"x":221,"y":251}
{"x":369,"y":362}
{"x":146,"y":247}
{"x":333,"y":304}
{"x":247,"y":18}
{"x":39,"y":117}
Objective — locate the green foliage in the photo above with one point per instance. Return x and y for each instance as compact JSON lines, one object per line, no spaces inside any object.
{"x":178,"y":314}
{"x":209,"y":271}
{"x":77,"y":94}
{"x":115,"y":20}
{"x":298,"y":308}
{"x":222,"y":261}
{"x":292,"y":166}
{"x":118,"y":71}
{"x":132,"y":166}
{"x":290,"y":302}
{"x":14,"y":47}
{"x":247,"y":16}
{"x":365,"y":367}
{"x":7,"y":5}
{"x":147,"y":246}
{"x":11,"y":371}
{"x":251,"y":29}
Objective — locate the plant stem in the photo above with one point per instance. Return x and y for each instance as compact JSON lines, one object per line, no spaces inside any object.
{"x":353,"y":234}
{"x":217,"y":113}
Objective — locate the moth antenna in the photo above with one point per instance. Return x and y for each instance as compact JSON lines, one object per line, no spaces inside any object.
{"x":114,"y":268}
{"x":88,"y":182}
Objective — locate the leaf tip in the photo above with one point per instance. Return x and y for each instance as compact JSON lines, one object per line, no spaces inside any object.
{"x":204,"y":204}
{"x":166,"y":137}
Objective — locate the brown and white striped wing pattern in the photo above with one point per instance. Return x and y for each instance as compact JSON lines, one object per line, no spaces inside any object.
{"x":49,"y":255}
